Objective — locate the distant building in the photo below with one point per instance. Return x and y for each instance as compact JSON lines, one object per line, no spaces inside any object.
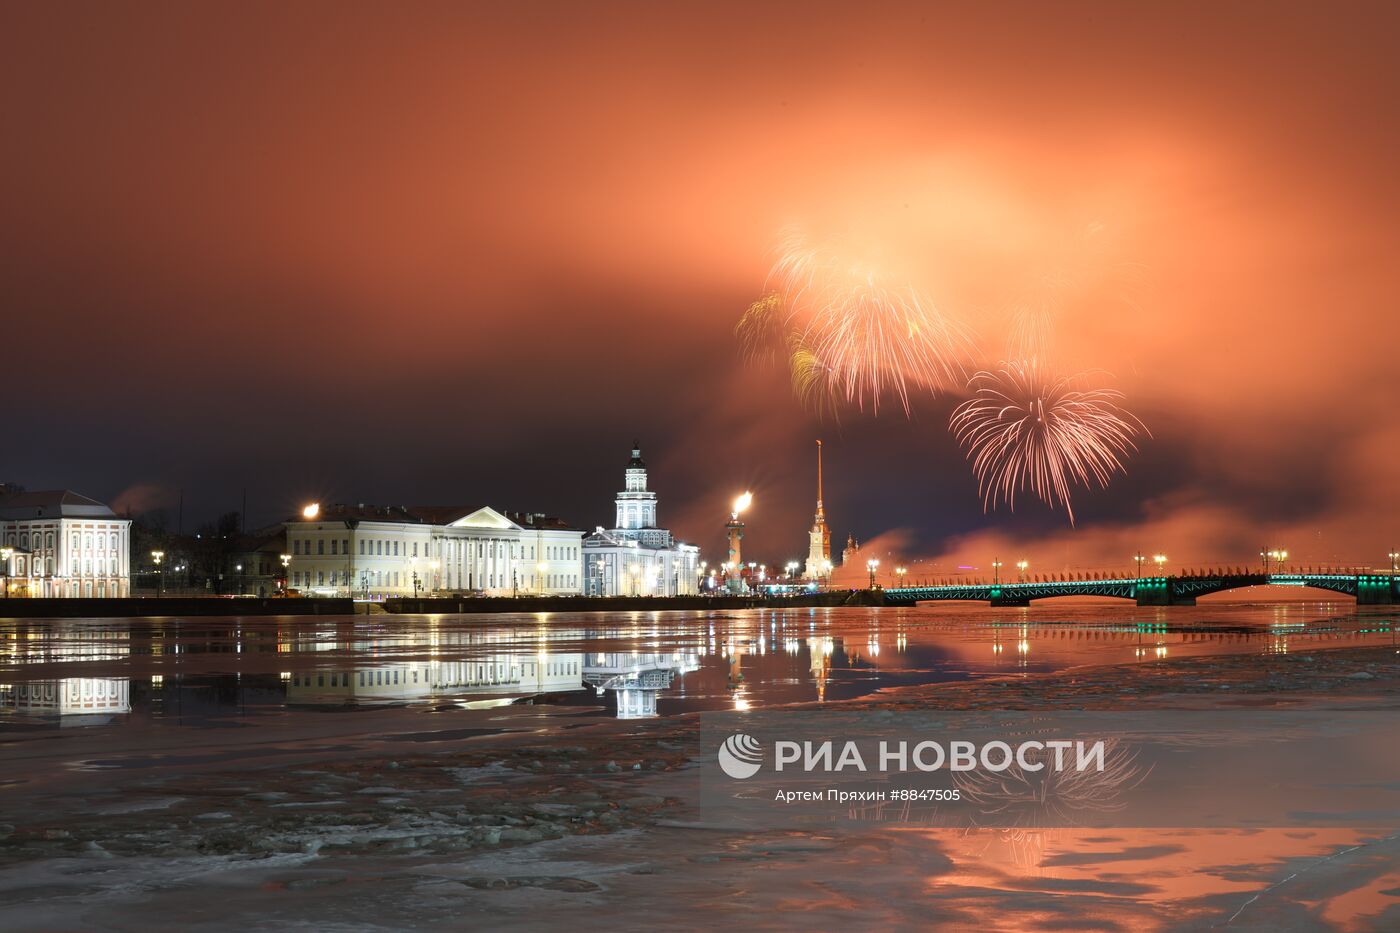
{"x":819,"y":538}
{"x":254,"y":563}
{"x":636,"y":558}
{"x":62,"y":544}
{"x":848,"y":556}
{"x":379,"y":551}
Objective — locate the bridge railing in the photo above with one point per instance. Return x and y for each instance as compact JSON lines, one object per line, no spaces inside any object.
{"x":1183,"y":574}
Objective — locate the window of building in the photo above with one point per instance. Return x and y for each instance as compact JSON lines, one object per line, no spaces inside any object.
{"x":320,"y":545}
{"x":334,"y":546}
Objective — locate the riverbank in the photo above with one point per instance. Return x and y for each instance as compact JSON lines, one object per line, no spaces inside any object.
{"x":529,"y":808}
{"x":436,"y":605}
{"x":151,"y":607}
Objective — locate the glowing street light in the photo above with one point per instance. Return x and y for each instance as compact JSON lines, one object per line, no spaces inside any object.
{"x":996,"y":572}
{"x":1159,"y":560}
{"x":540,"y":568}
{"x":742,"y":503}
{"x":872,"y":565}
{"x":1394,"y":557}
{"x":1021,"y":565}
{"x":5,"y":554}
{"x":311,"y":511}
{"x":1277,"y":555}
{"x":1139,"y":558}
{"x":900,"y":572}
{"x":158,"y":556}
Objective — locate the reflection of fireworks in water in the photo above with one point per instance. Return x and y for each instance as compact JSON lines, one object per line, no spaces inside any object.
{"x":1021,"y":799}
{"x":1024,"y":428}
{"x":848,"y":334}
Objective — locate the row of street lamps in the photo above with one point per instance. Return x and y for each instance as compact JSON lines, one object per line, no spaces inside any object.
{"x":1276,"y":556}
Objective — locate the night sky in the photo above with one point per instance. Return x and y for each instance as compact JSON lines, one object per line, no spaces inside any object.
{"x":465,"y":253}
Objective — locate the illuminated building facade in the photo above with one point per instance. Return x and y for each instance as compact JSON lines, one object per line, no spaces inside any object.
{"x":59,"y":543}
{"x":636,"y":558}
{"x":379,"y":552}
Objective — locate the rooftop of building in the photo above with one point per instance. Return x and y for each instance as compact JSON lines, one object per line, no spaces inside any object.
{"x":433,"y":515}
{"x":49,"y":503}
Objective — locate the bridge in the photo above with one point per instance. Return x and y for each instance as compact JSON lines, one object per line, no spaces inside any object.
{"x":1369,"y":589}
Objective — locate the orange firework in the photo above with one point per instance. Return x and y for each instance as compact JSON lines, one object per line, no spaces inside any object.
{"x":850,"y":335}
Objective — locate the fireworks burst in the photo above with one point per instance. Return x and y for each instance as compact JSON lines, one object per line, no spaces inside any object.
{"x":849,"y":335}
{"x":1026,"y":429}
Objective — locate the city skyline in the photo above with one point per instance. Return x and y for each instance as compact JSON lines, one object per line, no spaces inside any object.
{"x":391,"y":283}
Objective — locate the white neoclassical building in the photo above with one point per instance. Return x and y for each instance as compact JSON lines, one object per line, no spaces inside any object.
{"x":59,"y":543}
{"x":636,"y":558}
{"x":399,"y":551}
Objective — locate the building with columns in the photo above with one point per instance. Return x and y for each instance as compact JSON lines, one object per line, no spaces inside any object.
{"x":636,"y":558}
{"x":60,"y":543}
{"x":378,"y":551}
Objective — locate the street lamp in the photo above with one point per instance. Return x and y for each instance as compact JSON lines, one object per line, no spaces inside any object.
{"x":437,"y":575}
{"x":540,"y":568}
{"x":5,"y":554}
{"x":1021,"y":565}
{"x":1139,"y":558}
{"x":286,"y":576}
{"x":1159,"y":560}
{"x":413,"y":568}
{"x":159,"y":556}
{"x":636,"y":573}
{"x":996,"y":572}
{"x":1277,"y":555}
{"x":900,"y":572}
{"x":872,"y":565}
{"x":1394,"y":556}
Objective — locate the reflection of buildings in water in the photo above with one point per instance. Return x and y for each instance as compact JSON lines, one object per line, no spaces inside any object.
{"x":73,"y":701}
{"x":496,"y":675}
{"x":820,"y":653}
{"x":637,"y":678}
{"x":69,"y":700}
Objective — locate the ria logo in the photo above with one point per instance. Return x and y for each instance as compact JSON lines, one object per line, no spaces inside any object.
{"x":741,"y":756}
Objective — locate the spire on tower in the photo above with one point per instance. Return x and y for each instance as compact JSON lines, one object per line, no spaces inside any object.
{"x":819,"y":551}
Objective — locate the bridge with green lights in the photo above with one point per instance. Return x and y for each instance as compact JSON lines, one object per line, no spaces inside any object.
{"x":1369,"y":589}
